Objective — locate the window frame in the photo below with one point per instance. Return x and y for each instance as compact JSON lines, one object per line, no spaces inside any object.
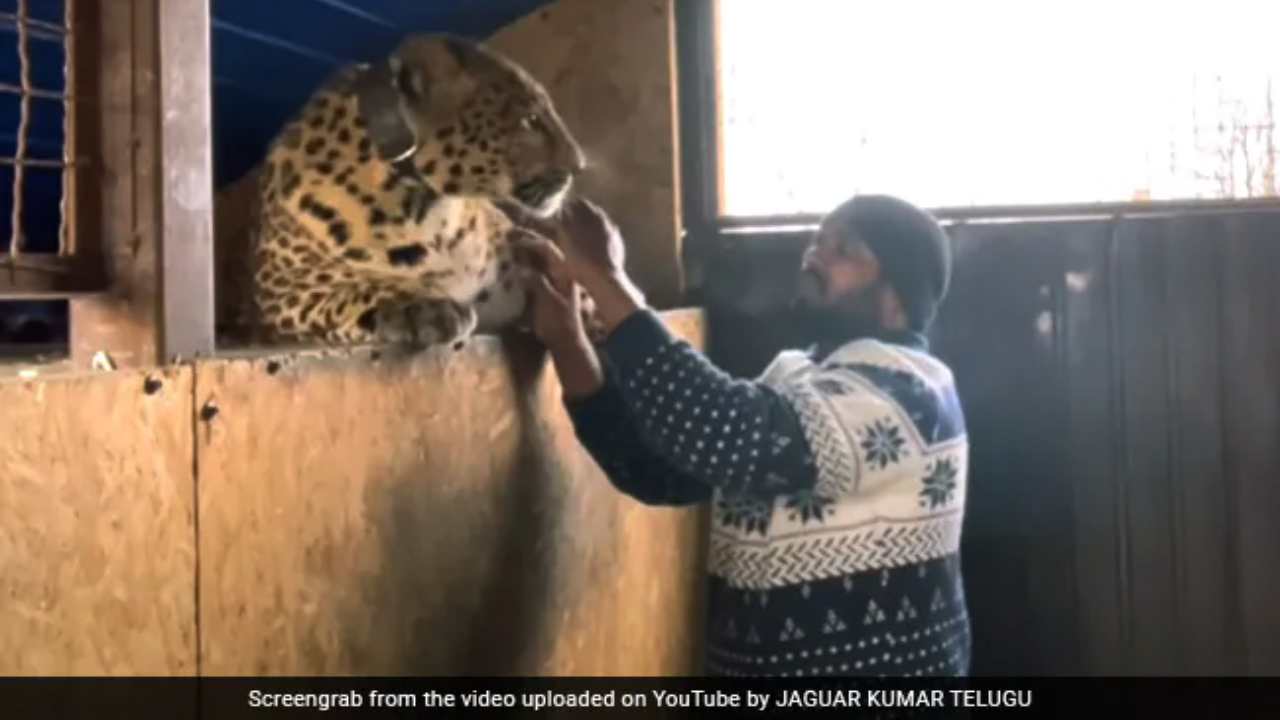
{"x":702,"y":167}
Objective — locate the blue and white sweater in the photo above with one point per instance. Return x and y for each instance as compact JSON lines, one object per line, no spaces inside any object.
{"x":837,"y":489}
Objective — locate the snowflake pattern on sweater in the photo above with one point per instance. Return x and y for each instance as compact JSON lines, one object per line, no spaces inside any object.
{"x":836,"y":488}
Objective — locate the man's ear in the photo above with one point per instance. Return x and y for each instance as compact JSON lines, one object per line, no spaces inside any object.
{"x":381,"y":93}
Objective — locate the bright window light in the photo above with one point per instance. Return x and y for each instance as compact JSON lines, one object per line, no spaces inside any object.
{"x":990,"y":102}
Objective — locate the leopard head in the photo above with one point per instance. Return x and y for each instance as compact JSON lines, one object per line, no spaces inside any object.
{"x":471,"y":122}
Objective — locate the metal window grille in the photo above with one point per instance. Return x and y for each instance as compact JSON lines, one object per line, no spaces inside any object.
{"x":38,"y":257}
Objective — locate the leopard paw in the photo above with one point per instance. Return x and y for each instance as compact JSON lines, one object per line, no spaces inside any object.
{"x":425,"y":323}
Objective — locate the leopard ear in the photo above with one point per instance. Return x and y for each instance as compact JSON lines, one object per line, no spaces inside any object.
{"x":381,"y":95}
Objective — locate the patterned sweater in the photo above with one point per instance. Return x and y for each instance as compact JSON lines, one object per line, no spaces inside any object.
{"x":837,"y":489}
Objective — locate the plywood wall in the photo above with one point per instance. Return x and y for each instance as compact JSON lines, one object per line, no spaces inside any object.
{"x":427,"y":517}
{"x":97,"y":541}
{"x":432,"y":515}
{"x":610,"y":68}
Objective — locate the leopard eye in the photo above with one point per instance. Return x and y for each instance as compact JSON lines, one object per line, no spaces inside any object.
{"x":407,"y":82}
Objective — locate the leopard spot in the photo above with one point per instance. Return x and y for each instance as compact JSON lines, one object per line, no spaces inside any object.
{"x":406,"y":255}
{"x":340,"y":232}
{"x":458,"y":237}
{"x":307,"y":309}
{"x":357,"y":254}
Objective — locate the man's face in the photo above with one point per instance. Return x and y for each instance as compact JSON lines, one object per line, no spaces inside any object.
{"x":838,"y":271}
{"x":840,"y":292}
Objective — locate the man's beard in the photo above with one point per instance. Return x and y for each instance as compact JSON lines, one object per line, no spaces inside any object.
{"x":826,"y":325}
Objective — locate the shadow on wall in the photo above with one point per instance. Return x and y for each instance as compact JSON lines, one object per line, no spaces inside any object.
{"x":470,"y":578}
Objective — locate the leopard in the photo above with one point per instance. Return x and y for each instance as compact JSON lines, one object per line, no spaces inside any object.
{"x":390,"y":208}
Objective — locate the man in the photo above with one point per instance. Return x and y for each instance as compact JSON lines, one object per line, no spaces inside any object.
{"x":837,"y":478}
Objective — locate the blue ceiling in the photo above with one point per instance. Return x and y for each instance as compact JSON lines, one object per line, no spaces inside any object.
{"x":267,"y":57}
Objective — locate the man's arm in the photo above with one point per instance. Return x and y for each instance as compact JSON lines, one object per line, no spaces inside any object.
{"x":605,"y":430}
{"x":739,"y":436}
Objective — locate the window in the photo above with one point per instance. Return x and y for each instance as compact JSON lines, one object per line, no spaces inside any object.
{"x":994,"y":103}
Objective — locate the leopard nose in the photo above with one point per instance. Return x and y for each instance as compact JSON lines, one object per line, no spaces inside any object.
{"x":577,"y":163}
{"x":575,"y":160}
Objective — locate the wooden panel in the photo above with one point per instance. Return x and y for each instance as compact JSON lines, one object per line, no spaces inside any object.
{"x":427,"y":516}
{"x":125,"y":321}
{"x":151,"y":103}
{"x":1201,"y":539}
{"x":1143,"y":430}
{"x":1090,"y":442}
{"x":610,"y":68}
{"x":97,"y":555}
{"x":1250,"y":344}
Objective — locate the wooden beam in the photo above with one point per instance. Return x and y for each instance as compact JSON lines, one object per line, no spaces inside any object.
{"x":148,"y":191}
{"x":46,"y":277}
{"x":186,"y":174}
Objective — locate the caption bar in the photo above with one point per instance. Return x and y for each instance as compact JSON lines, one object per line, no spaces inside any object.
{"x":655,"y":699}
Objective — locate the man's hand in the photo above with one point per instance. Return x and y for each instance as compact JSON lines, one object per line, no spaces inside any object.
{"x":588,"y":244}
{"x":557,"y":321}
{"x":557,"y":316}
{"x":591,"y":242}
{"x":590,"y":252}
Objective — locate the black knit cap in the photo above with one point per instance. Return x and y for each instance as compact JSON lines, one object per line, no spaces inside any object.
{"x":912,"y":248}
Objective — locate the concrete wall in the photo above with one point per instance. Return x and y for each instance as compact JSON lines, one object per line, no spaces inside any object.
{"x":430,"y":515}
